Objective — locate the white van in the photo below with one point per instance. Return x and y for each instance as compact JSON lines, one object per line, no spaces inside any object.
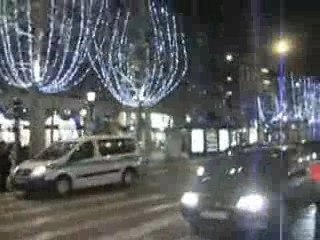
{"x":82,"y":163}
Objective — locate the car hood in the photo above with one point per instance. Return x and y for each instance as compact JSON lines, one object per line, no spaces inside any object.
{"x":229,"y":192}
{"x":31,"y":164}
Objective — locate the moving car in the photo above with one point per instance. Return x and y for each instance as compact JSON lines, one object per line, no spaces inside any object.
{"x":239,"y":192}
{"x":309,"y":146}
{"x":250,"y":190}
{"x":304,"y":180}
{"x":86,"y":162}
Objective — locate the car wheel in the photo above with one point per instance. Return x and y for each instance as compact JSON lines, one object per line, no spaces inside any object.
{"x":63,"y":186}
{"x":129,"y":177}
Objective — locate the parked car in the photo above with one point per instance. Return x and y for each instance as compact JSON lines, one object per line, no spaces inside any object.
{"x":246,"y":191}
{"x":309,"y":146}
{"x":241,"y":148}
{"x":86,"y":162}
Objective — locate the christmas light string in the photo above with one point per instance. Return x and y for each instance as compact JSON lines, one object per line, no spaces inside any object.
{"x":164,"y":67}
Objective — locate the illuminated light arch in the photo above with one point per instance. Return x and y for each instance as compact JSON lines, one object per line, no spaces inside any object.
{"x":301,"y":103}
{"x":50,"y":60}
{"x":164,"y":67}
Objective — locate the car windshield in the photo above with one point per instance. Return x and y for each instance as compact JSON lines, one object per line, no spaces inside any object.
{"x":254,"y":166}
{"x":55,"y":151}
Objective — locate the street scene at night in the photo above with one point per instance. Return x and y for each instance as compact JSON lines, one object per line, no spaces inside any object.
{"x":159,"y":120}
{"x":149,"y":210}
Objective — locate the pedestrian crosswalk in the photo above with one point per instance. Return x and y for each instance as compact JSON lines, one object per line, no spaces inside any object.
{"x":147,"y":211}
{"x":141,"y":212}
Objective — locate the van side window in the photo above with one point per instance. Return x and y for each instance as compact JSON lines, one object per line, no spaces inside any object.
{"x":85,"y":151}
{"x":108,"y":147}
{"x":129,"y":146}
{"x":116,"y":146}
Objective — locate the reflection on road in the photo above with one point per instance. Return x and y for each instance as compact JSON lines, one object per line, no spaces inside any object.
{"x":302,"y":223}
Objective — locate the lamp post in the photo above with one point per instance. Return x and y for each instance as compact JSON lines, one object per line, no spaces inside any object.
{"x":282,"y":48}
{"x":84,"y":113}
{"x":91,"y":98}
{"x":17,"y":114}
{"x":229,"y":57}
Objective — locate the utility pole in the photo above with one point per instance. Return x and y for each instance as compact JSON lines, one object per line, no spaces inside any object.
{"x":17,"y":114}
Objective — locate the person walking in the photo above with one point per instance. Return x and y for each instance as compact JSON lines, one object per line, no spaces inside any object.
{"x":5,"y":166}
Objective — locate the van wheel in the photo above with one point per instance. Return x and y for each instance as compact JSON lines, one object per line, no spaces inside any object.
{"x":63,"y":186}
{"x":26,"y":195}
{"x":195,"y":230}
{"x":129,"y":177}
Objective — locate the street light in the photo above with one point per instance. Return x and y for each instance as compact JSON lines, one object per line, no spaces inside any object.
{"x":229,"y":79}
{"x":266,"y":82}
{"x":229,"y":93}
{"x":229,"y":57}
{"x":83,"y":112}
{"x":91,"y":97}
{"x":188,"y":118}
{"x":282,"y":47}
{"x":265,"y":70}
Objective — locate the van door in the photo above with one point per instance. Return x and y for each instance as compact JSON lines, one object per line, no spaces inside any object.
{"x":81,"y":165}
{"x":116,"y":158}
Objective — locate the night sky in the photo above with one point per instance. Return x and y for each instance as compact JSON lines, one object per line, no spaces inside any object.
{"x":299,"y":19}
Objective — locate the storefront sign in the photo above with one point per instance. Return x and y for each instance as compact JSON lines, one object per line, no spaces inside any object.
{"x":212,"y":140}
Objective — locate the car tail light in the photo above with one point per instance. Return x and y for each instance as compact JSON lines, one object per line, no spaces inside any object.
{"x":315,"y":172}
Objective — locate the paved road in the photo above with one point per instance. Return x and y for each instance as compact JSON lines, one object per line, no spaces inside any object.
{"x":147,"y":211}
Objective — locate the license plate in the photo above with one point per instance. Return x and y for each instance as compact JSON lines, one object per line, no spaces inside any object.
{"x":219,"y":215}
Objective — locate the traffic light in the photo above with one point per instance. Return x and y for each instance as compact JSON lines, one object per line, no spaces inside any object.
{"x":17,"y":107}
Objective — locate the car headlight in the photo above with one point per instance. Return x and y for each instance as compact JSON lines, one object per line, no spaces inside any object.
{"x":252,"y":203}
{"x":190,"y":199}
{"x":15,"y":170}
{"x":38,"y":171}
{"x":314,"y":155}
{"x":200,"y":171}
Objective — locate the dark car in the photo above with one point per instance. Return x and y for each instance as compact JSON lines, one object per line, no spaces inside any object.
{"x":250,"y":190}
{"x":308,"y":146}
{"x":239,"y":192}
{"x":304,"y":181}
{"x":240,"y":148}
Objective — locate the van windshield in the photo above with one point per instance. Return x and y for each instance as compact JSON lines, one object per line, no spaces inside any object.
{"x":55,"y":151}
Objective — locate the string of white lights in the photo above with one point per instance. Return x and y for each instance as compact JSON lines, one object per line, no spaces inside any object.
{"x":302,"y":102}
{"x":165,"y":64}
{"x":51,"y":58}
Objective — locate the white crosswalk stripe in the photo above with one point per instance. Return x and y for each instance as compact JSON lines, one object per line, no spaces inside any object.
{"x":60,"y":205}
{"x":133,"y":213}
{"x":69,"y":215}
{"x":159,"y":172}
{"x":190,"y":237}
{"x":143,"y":229}
{"x":6,"y":198}
{"x":99,"y":223}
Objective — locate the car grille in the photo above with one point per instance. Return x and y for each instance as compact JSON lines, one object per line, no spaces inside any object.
{"x":23,"y":173}
{"x":209,"y":202}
